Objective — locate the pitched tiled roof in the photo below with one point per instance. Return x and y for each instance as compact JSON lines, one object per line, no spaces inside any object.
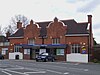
{"x":43,"y":25}
{"x":72,"y":28}
{"x":19,"y":33}
{"x":75,"y":28}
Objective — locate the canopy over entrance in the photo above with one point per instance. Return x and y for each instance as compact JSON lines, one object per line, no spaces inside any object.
{"x":38,"y":46}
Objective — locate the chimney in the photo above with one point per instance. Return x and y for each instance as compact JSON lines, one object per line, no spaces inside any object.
{"x":90,"y":22}
{"x":19,"y":24}
{"x":90,"y":35}
{"x":7,"y":34}
{"x":90,"y":19}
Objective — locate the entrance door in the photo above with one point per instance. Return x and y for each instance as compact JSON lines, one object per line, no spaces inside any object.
{"x":32,"y":54}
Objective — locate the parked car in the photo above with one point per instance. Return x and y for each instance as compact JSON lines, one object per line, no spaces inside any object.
{"x":45,"y":57}
{"x":1,"y":56}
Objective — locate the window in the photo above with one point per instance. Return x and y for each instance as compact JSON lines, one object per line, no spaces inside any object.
{"x":6,"y":43}
{"x":60,"y":51}
{"x":31,"y":41}
{"x":55,"y":40}
{"x":27,"y":51}
{"x":1,"y":43}
{"x":75,"y":48}
{"x":17,"y":48}
{"x":4,"y":51}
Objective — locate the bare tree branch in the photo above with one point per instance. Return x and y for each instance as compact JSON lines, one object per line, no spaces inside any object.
{"x":13,"y":24}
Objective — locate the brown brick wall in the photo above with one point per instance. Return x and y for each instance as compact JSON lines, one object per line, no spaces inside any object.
{"x":27,"y":57}
{"x":56,"y":30}
{"x":31,"y":31}
{"x":77,"y":40}
{"x":16,"y":41}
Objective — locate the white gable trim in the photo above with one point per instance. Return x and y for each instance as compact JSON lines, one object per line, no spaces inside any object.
{"x":15,"y":37}
{"x":77,"y":35}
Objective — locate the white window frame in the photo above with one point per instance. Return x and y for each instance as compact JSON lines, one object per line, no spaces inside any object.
{"x":4,"y":51}
{"x":6,"y":43}
{"x":31,"y":41}
{"x":27,"y":51}
{"x":17,"y":48}
{"x":56,"y":41}
{"x":59,"y":51}
{"x":75,"y":48}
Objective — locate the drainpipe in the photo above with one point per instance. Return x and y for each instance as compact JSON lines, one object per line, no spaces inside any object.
{"x":90,"y":36}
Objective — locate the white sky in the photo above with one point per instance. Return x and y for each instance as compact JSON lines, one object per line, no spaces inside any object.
{"x":44,"y":10}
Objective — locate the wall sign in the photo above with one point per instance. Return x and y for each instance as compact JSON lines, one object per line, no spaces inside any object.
{"x":83,"y":50}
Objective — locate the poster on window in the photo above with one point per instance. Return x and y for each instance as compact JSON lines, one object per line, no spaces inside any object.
{"x":60,"y":51}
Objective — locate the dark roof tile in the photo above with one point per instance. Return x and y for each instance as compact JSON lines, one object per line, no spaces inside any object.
{"x":75,"y":28}
{"x":72,"y":28}
{"x":43,"y":30}
{"x":19,"y":33}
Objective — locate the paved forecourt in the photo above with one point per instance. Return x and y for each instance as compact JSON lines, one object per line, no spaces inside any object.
{"x":30,"y":67}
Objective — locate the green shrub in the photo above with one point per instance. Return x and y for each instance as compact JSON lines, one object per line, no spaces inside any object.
{"x":95,"y":60}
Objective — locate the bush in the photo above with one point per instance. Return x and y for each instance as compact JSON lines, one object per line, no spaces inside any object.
{"x":95,"y":60}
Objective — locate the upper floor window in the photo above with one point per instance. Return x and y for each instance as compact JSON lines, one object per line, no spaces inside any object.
{"x":75,"y":48}
{"x":31,"y":41}
{"x":1,"y":43}
{"x":55,"y":40}
{"x":17,"y":48}
{"x":4,"y":43}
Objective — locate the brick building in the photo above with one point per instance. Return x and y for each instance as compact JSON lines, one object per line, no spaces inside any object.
{"x":4,"y":46}
{"x":66,"y":39}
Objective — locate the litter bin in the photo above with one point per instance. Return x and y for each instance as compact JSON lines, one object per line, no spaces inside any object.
{"x":17,"y":57}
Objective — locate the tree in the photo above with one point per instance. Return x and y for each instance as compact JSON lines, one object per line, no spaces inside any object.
{"x":13,"y":23}
{"x":22,"y":19}
{"x":9,"y":29}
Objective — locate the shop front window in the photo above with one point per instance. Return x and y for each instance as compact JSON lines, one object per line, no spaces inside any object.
{"x":59,"y":51}
{"x":27,"y":51}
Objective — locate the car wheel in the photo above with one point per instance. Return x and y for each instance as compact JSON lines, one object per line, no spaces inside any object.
{"x":36,"y":60}
{"x":45,"y":60}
